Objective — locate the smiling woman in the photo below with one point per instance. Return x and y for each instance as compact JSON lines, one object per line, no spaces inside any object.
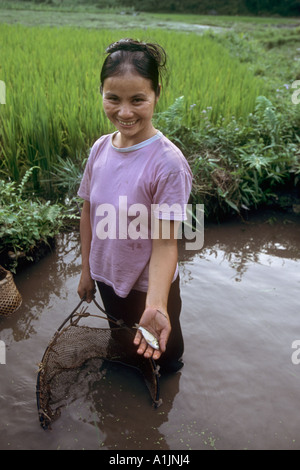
{"x":137,"y":278}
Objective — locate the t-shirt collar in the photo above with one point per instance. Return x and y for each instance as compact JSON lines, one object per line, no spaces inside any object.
{"x":138,"y":146}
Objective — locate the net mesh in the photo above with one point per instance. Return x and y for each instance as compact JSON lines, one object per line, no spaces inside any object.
{"x":73,"y":345}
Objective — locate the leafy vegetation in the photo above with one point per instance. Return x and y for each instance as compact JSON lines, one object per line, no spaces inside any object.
{"x":230,"y":7}
{"x":26,"y":223}
{"x":241,"y":165}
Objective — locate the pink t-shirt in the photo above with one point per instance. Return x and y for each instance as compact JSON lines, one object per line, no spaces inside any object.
{"x":127,"y":188}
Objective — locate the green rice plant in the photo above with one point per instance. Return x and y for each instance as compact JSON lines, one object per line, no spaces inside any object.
{"x":53,"y":105}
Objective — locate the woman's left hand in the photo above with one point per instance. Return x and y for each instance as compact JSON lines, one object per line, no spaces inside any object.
{"x":158,"y":324}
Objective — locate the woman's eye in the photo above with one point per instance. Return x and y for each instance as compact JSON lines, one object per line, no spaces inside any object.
{"x":111,"y":98}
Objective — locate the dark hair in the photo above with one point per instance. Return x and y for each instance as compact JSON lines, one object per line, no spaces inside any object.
{"x":147,"y":59}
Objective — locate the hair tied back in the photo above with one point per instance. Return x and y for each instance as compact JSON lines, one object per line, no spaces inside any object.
{"x":131,"y":45}
{"x":149,"y":59}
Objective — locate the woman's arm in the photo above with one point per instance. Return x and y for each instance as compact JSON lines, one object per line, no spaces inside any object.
{"x":86,"y":287}
{"x":162,"y":267}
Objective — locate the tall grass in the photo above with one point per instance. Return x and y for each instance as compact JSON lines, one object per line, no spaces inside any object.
{"x":53,"y":106}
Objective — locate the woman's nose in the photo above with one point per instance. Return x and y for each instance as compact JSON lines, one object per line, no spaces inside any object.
{"x":125,"y":111}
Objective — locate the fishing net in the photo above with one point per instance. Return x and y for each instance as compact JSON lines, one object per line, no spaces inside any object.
{"x":74,"y":344}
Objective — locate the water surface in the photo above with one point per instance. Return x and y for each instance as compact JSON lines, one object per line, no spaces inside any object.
{"x":238,"y":389}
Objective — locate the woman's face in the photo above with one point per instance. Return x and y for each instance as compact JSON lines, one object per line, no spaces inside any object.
{"x":129,"y":103}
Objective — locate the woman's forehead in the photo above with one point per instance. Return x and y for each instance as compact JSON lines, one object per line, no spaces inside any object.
{"x":127,"y":82}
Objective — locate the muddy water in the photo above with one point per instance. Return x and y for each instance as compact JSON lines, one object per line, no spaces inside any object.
{"x":239,"y":388}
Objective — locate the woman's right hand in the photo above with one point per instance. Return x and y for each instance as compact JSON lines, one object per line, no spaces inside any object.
{"x":86,"y":287}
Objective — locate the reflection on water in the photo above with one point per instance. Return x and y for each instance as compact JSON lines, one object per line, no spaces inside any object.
{"x":238,"y":388}
{"x":43,"y":282}
{"x":115,"y":405}
{"x":241,"y":245}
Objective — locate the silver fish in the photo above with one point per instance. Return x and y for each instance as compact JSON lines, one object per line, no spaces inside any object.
{"x":149,"y":337}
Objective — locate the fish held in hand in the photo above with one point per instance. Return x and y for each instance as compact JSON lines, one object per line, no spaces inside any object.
{"x":149,"y":337}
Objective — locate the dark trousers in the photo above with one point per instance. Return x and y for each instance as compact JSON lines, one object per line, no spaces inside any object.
{"x":130,"y":310}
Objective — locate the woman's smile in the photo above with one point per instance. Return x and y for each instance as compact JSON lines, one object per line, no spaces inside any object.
{"x":126,"y":124}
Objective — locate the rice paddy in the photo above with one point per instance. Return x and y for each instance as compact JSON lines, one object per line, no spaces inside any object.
{"x":53,"y":105}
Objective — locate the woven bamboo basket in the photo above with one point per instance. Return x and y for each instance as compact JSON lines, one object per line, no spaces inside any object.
{"x":10,"y":297}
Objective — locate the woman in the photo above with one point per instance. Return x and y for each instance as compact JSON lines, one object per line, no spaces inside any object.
{"x":133,"y":169}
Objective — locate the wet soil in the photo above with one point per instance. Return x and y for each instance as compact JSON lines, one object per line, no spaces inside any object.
{"x":239,"y":387}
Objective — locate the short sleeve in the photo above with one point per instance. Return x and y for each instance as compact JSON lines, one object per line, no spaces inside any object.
{"x":171,"y":195}
{"x":84,"y":190}
{"x":85,"y":185}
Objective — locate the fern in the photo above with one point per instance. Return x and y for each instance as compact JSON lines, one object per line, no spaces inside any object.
{"x":262,"y":103}
{"x":269,"y":120}
{"x":25,"y":179}
{"x":170,"y":120}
